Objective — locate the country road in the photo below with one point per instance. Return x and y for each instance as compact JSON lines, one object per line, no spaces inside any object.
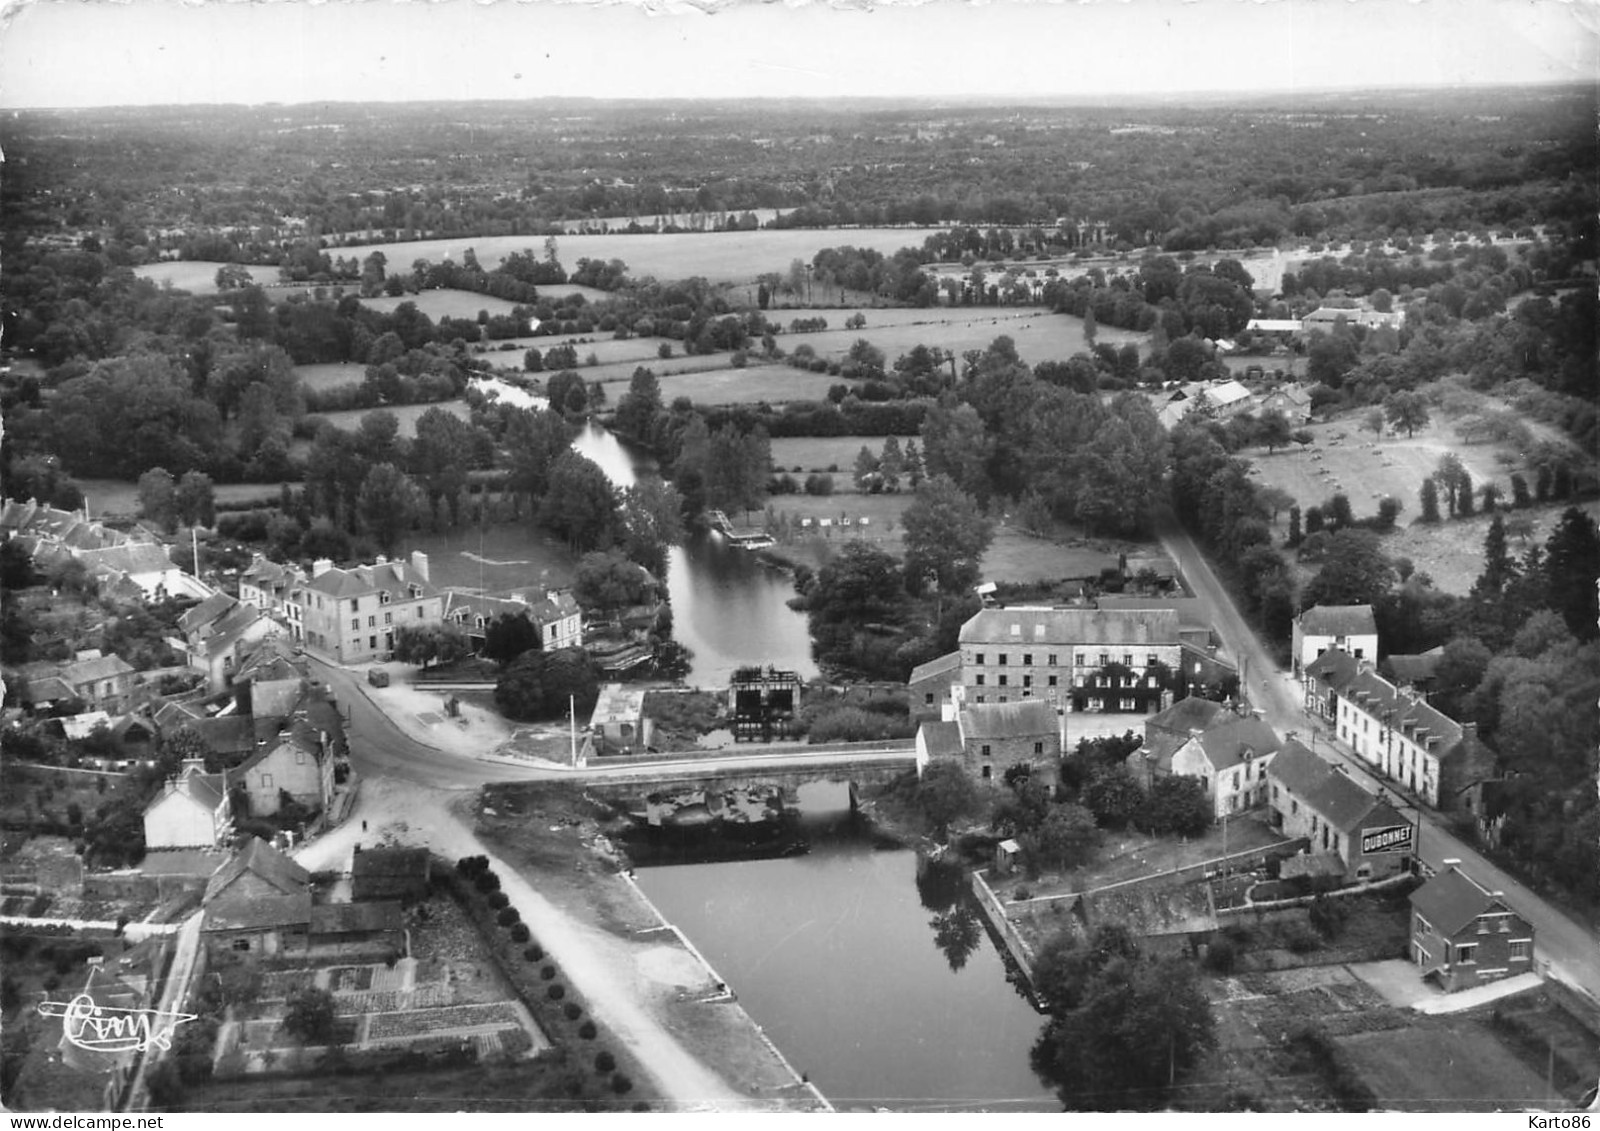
{"x":1571,"y":948}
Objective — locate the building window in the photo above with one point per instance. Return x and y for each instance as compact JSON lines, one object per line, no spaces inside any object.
{"x":1038,"y":748}
{"x":988,"y":772}
{"x":1127,"y":704}
{"x":1127,"y":659}
{"x":355,"y":624}
{"x":419,"y":612}
{"x":1083,"y":659}
{"x":1002,"y":679}
{"x":1421,"y":926}
{"x":980,"y":679}
{"x":984,"y":750}
{"x":1274,"y":793}
{"x":982,"y":699}
{"x":1521,"y":950}
{"x":1001,"y":659}
{"x":1105,"y":658}
{"x":388,"y":618}
{"x":372,"y":643}
{"x":1002,"y":699}
{"x":299,"y":757}
{"x":1467,"y":954}
{"x":372,"y":622}
{"x":1236,"y":779}
{"x":266,"y":781}
{"x":383,"y":598}
{"x":241,"y":944}
{"x":1052,"y":658}
{"x":1151,"y":660}
{"x":1052,"y":681}
{"x":978,"y":658}
{"x":928,"y":699}
{"x":1027,"y":659}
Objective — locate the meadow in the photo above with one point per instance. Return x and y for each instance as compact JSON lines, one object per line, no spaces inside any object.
{"x":443,"y":303}
{"x":197,"y":276}
{"x":331,"y":375}
{"x":406,"y":414}
{"x":721,"y":257}
{"x":796,"y":454}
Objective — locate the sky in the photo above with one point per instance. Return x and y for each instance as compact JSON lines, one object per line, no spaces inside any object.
{"x":149,"y":52}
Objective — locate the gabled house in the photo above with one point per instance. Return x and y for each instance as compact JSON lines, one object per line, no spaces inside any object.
{"x":218,"y":640}
{"x":1312,"y":798}
{"x":297,"y":763}
{"x":930,"y":684}
{"x":350,"y":615}
{"x":267,"y":584}
{"x":998,"y":736}
{"x":1231,"y":758}
{"x":1417,"y":672}
{"x":1167,"y":731}
{"x":555,"y":616}
{"x":1322,"y":628}
{"x":1463,"y":934}
{"x":101,"y":683}
{"x":1409,"y":741}
{"x":259,"y":902}
{"x":191,"y":811}
{"x":619,"y":724}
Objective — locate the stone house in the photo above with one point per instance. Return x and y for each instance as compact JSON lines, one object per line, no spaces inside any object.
{"x":997,"y":736}
{"x":930,"y":684}
{"x":1312,"y":798}
{"x":350,"y":616}
{"x":298,"y":762}
{"x":1231,"y":758}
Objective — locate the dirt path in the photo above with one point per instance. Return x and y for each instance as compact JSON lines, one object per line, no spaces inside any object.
{"x":618,"y":980}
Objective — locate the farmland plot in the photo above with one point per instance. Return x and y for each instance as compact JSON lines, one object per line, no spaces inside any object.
{"x":197,"y":276}
{"x":1038,"y":334}
{"x":444,"y":303}
{"x":331,"y":375}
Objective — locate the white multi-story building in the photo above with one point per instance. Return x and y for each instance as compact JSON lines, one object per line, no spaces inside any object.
{"x":350,"y":615}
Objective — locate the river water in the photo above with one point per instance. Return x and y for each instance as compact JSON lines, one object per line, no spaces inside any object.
{"x":835,"y":955}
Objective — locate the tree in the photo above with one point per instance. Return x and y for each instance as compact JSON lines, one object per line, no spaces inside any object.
{"x":508,"y":636}
{"x":444,"y":451}
{"x":1113,"y":796}
{"x":652,"y":519}
{"x":1408,"y":410}
{"x":547,"y":685}
{"x":607,"y":582}
{"x":1064,"y":839}
{"x":1464,"y":503}
{"x":430,"y":644}
{"x":957,"y":932}
{"x":1572,"y":561}
{"x":1272,"y":429}
{"x":1430,"y":500}
{"x":945,"y":794}
{"x":195,"y":499}
{"x":309,"y":1016}
{"x":945,"y":536}
{"x":640,"y":405}
{"x":1499,"y":568}
{"x":158,"y":498}
{"x":1124,"y":1028}
{"x":866,"y":475}
{"x":388,"y":504}
{"x":580,"y":504}
{"x":1355,"y":571}
{"x":1296,"y":535}
{"x":1176,"y":805}
{"x":1374,"y":421}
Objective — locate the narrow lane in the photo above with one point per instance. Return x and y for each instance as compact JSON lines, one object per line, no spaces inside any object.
{"x":1571,"y":947}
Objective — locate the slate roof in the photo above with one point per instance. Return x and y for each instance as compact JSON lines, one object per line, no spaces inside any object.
{"x":1335,"y":667}
{"x":943,"y":740}
{"x":1191,"y":610}
{"x":1041,"y":626}
{"x":1338,"y":620}
{"x":199,"y":862}
{"x":194,"y":783}
{"x":173,"y":714}
{"x":1452,"y":899}
{"x":944,"y":665}
{"x":270,"y":658}
{"x":261,"y":913}
{"x":260,"y":859}
{"x":98,"y":668}
{"x":1320,"y":786}
{"x":1188,"y":714}
{"x":355,"y":918}
{"x":374,"y":863}
{"x":264,"y":573}
{"x":1430,"y":729}
{"x":133,"y":558}
{"x":394,"y":578}
{"x":300,"y":734}
{"x":1026,"y":719}
{"x":205,"y":612}
{"x":1226,"y":743}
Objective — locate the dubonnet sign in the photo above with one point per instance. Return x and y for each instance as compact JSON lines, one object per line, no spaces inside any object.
{"x":1388,"y":839}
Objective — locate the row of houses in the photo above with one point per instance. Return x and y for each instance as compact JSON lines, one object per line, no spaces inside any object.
{"x":349,"y":616}
{"x":124,"y":561}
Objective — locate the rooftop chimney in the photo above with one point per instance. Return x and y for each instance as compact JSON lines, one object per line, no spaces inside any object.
{"x":419,"y":564}
{"x":321,"y":566}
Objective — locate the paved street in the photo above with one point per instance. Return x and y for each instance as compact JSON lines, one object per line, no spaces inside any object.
{"x":1572,"y":949}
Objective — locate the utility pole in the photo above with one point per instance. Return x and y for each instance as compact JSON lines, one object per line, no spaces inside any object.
{"x":572,"y":721}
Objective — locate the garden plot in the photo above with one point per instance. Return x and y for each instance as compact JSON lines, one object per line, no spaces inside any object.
{"x":1462,"y":1067}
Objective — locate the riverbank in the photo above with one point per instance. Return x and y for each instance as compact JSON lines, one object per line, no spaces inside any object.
{"x":556,"y":837}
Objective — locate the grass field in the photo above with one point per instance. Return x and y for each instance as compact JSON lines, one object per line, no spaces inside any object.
{"x":565,"y":290}
{"x":818,"y":453}
{"x":1345,"y":457}
{"x":115,"y":498}
{"x":443,"y":303}
{"x":406,"y":414}
{"x":331,"y":375}
{"x":1038,"y":334}
{"x":721,"y":257}
{"x":197,"y":276}
{"x":726,"y":385}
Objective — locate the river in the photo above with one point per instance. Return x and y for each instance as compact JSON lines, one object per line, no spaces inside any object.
{"x":834,"y":954}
